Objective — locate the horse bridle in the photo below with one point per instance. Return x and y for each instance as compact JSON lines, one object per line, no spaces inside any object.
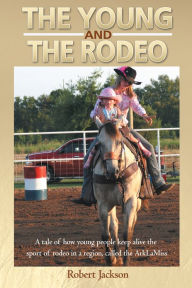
{"x":124,"y":173}
{"x":112,"y":155}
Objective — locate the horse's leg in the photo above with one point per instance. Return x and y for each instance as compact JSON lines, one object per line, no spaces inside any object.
{"x":130,"y":216}
{"x":114,"y":234}
{"x":138,"y":208}
{"x":104,"y":216}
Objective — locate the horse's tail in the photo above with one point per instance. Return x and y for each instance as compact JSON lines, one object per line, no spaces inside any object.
{"x":145,"y":204}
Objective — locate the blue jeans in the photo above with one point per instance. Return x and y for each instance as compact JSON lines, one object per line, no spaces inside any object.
{"x":152,"y":165}
{"x":87,"y":172}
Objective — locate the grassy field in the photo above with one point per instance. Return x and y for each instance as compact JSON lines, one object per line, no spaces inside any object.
{"x":63,"y":183}
{"x":78,"y":182}
{"x":43,"y":146}
{"x":168,"y":143}
{"x":53,"y":144}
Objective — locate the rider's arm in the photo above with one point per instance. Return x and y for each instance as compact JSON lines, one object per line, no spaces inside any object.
{"x":137,"y":108}
{"x":99,"y":114}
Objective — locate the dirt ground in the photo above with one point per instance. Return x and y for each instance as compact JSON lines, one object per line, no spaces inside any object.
{"x":47,"y":232}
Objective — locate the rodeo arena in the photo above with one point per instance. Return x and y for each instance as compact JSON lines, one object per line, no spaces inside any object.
{"x":52,"y":230}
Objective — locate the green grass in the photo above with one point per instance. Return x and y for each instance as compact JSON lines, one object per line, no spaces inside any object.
{"x":62,"y":183}
{"x":173,"y":179}
{"x":43,"y":146}
{"x":78,"y":182}
{"x":167,"y":143}
{"x":53,"y":144}
{"x":170,"y":143}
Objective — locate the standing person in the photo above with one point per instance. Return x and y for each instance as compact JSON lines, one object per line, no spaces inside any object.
{"x":123,"y":86}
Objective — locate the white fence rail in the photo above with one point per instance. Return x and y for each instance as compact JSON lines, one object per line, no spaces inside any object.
{"x":84,"y":136}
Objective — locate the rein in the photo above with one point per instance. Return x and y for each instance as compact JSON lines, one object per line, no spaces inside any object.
{"x":111,"y":155}
{"x":124,"y":173}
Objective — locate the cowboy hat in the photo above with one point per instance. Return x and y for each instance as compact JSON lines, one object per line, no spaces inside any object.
{"x":109,"y":93}
{"x":128,"y":74}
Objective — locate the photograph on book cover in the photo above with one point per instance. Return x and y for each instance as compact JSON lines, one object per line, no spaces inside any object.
{"x":58,"y":221}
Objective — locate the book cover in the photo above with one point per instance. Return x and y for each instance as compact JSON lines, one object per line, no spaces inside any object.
{"x":66,"y":53}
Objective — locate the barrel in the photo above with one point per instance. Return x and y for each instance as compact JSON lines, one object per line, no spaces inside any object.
{"x":35,"y":183}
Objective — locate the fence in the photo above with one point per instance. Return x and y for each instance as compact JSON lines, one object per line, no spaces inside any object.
{"x":79,"y":157}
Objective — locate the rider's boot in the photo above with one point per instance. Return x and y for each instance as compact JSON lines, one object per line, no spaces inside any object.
{"x":164,"y":188}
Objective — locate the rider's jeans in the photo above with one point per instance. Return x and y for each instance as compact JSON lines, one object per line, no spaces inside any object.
{"x":152,"y":165}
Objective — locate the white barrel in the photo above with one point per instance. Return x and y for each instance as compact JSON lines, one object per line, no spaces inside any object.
{"x":35,"y":183}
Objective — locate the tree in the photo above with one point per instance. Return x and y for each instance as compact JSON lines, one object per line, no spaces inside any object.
{"x":163,"y":97}
{"x":139,"y":123}
{"x":72,"y":109}
{"x":69,"y":108}
{"x":26,"y":111}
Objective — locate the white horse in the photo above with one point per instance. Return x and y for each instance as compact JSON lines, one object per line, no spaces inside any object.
{"x":116,"y":162}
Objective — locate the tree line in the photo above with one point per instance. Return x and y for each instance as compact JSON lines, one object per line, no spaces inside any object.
{"x":69,"y":108}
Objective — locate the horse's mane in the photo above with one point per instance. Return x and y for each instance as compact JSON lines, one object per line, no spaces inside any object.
{"x":111,"y":129}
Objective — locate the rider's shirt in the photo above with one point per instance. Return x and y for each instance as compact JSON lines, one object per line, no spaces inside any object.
{"x":110,"y":114}
{"x":107,"y":114}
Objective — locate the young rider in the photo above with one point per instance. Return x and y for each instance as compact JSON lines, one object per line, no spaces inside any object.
{"x":108,"y":110}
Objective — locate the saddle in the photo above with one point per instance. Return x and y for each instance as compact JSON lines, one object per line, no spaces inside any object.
{"x":146,"y":191}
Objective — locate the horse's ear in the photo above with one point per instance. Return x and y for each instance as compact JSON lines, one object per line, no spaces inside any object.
{"x":98,"y":122}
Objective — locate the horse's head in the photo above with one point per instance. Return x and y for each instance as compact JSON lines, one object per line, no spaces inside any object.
{"x":111,"y":148}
